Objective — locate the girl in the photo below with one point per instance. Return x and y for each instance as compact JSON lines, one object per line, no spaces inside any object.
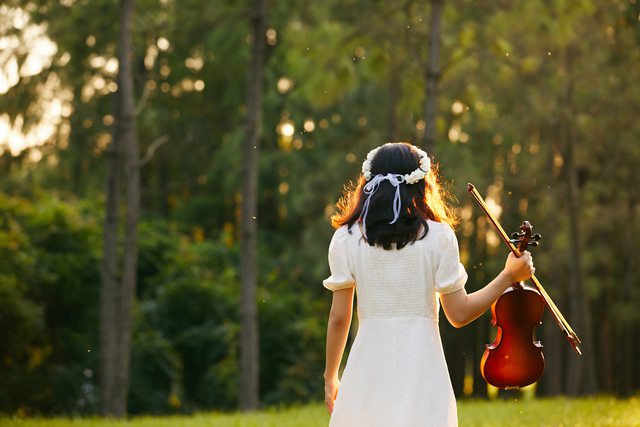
{"x":394,"y":243}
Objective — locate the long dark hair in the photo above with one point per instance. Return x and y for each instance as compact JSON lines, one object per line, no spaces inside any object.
{"x":420,"y":201}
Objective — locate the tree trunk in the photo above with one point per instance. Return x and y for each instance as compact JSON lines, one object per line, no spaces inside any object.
{"x":394,"y":96}
{"x":580,"y":372}
{"x":554,"y":343}
{"x":249,"y":345}
{"x":628,"y":367}
{"x":552,"y":382}
{"x":117,"y":301}
{"x":482,"y":330}
{"x":626,"y":360}
{"x":606,"y":345}
{"x":132,"y":175}
{"x":109,"y":294}
{"x":432,"y":76}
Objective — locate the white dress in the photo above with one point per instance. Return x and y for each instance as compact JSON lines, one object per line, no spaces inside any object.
{"x":396,"y":374}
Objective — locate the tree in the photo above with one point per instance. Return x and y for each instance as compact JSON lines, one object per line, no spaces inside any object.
{"x":432,"y":75}
{"x":580,"y":373}
{"x":249,"y":347}
{"x":118,"y":290}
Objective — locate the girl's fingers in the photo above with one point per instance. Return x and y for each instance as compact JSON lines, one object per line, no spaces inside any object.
{"x":329,"y":404}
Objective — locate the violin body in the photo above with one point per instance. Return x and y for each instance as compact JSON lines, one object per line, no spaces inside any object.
{"x":514,"y":360}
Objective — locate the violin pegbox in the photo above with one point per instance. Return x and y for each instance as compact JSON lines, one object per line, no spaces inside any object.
{"x":523,"y":238}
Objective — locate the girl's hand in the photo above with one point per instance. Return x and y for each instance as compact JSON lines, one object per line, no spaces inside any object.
{"x":520,"y":268}
{"x":331,"y":392}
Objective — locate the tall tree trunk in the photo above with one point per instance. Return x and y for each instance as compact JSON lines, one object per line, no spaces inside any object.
{"x":109,"y":294}
{"x":132,"y":175}
{"x":629,"y":363}
{"x":249,"y":345}
{"x":581,"y":371}
{"x":607,"y":369}
{"x":554,"y":344}
{"x":432,"y":76}
{"x":552,"y":382}
{"x":117,"y":297}
{"x":394,"y":96}
{"x":482,"y":330}
{"x":626,"y":360}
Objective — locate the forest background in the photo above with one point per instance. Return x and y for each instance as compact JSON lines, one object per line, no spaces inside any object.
{"x":535,"y":102}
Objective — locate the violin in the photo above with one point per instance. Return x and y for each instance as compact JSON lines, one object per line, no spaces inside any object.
{"x":514,"y":360}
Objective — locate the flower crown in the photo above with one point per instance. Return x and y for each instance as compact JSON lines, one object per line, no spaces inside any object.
{"x":411,"y":178}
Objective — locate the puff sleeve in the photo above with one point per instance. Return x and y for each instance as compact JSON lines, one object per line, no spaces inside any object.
{"x":450,"y":274}
{"x":342,"y":276}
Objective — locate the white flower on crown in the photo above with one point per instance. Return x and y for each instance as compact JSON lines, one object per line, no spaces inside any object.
{"x":411,"y":178}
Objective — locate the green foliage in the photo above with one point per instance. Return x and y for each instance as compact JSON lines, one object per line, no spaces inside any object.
{"x":196,"y":308}
{"x":48,"y":252}
{"x":187,"y":322}
{"x":155,"y":379}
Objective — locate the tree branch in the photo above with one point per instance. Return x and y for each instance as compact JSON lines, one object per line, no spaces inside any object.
{"x":152,"y":149}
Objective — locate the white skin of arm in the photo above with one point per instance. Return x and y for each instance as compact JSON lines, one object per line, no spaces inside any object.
{"x":462,"y":309}
{"x":337,"y":334}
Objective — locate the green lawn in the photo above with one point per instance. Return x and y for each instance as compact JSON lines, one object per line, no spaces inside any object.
{"x":604,"y":411}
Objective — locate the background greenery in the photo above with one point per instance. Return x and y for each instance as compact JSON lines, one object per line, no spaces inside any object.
{"x":521,"y":82}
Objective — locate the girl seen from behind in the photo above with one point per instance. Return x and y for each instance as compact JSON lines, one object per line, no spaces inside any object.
{"x":394,"y":246}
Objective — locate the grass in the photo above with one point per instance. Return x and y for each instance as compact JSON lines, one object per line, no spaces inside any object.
{"x":602,"y":411}
{"x":558,"y":412}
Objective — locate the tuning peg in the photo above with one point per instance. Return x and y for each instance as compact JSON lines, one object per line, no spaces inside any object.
{"x":536,"y":237}
{"x":515,"y":235}
{"x":534,"y":244}
{"x":514,"y":241}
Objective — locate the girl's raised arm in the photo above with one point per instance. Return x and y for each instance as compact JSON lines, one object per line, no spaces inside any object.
{"x":462,"y":309}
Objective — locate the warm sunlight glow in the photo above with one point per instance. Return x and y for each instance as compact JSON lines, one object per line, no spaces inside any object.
{"x":457,"y":107}
{"x":187,"y":85}
{"x":24,"y":54}
{"x":494,"y":207}
{"x":466,"y":212}
{"x":195,"y":62}
{"x":31,"y":45}
{"x":198,"y":85}
{"x":493,"y":241}
{"x":272,"y":37}
{"x":284,"y":84}
{"x":454,"y":132}
{"x":283,"y":188}
{"x":163,"y":43}
{"x":150,"y":56}
{"x":287,"y":129}
{"x":309,"y":125}
{"x":516,"y":148}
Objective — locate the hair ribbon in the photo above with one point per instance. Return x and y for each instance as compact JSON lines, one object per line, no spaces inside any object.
{"x":372,"y":186}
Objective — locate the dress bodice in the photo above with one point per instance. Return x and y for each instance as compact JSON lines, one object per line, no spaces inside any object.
{"x":397,"y":282}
